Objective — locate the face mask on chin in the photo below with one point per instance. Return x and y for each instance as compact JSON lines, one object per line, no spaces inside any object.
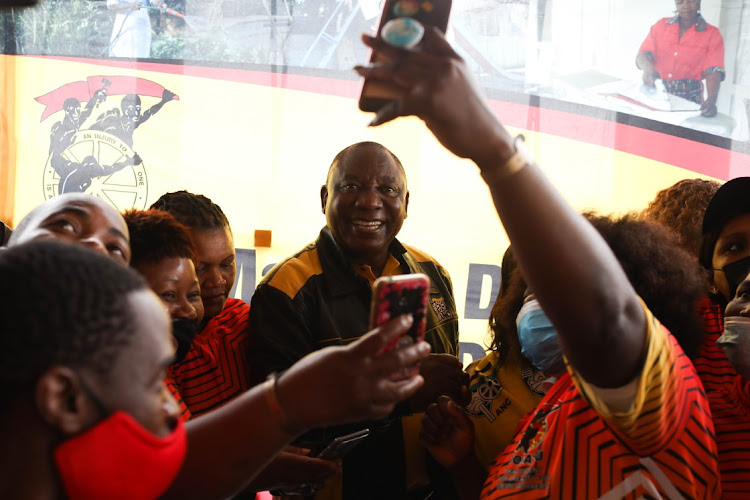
{"x":735,"y":342}
{"x":538,"y":338}
{"x":118,"y":459}
{"x":184,"y":331}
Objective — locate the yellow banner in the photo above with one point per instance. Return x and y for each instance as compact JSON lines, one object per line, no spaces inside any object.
{"x":262,"y":151}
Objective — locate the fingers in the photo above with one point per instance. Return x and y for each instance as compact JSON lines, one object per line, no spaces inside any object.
{"x":296,"y":450}
{"x":434,"y":41}
{"x":708,"y":109}
{"x":384,"y":48}
{"x":441,"y":418}
{"x":375,"y":340}
{"x":465,"y":396}
{"x":388,"y":393}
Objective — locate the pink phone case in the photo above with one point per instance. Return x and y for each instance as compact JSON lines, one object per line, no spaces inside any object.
{"x":403,"y":294}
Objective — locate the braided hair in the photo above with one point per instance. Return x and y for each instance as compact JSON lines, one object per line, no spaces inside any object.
{"x":156,"y":235}
{"x":61,"y":304}
{"x":193,"y":210}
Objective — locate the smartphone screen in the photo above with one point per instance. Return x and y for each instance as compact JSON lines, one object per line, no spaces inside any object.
{"x":376,"y":94}
{"x":396,"y":295}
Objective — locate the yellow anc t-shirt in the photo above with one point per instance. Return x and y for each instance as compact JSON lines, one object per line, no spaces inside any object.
{"x":573,"y":446}
{"x":501,"y":395}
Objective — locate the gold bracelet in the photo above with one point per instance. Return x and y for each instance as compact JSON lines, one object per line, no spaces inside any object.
{"x":271,"y":394}
{"x":517,"y":162}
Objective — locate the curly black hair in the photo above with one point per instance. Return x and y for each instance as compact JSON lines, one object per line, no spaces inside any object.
{"x":680,"y":208}
{"x":61,"y":304}
{"x":663,"y":274}
{"x":156,"y":235}
{"x":193,"y":210}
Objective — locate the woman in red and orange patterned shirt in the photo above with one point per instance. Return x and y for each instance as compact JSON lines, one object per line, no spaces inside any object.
{"x":628,"y":417}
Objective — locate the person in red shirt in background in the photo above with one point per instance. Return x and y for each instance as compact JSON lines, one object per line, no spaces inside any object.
{"x":682,"y":51}
{"x":730,"y":405}
{"x":163,"y":254}
{"x":215,"y":369}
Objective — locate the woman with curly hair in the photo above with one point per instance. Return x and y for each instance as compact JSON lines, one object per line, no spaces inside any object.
{"x":680,"y":208}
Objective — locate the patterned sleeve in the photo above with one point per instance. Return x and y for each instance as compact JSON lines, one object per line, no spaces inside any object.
{"x":659,"y":405}
{"x":714,"y":58}
{"x":175,"y":392}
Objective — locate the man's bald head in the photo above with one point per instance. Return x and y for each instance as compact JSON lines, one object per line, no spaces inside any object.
{"x":344,"y":153}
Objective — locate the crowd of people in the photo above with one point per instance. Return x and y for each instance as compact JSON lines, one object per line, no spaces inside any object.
{"x":618,"y":367}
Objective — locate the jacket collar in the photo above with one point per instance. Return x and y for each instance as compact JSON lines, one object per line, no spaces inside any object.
{"x":340,"y":277}
{"x":700,"y":23}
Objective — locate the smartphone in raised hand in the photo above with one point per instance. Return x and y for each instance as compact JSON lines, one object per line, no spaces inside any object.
{"x":393,"y":296}
{"x":343,"y":444}
{"x":397,"y":21}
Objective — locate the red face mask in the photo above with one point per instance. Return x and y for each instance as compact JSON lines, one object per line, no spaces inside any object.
{"x":118,"y":459}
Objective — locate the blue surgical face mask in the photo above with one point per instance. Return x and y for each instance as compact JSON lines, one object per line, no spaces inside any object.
{"x":735,"y":342}
{"x":538,"y":338}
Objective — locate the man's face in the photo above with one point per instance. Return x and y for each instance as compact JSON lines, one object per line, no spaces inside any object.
{"x":740,"y":304}
{"x":135,"y":381}
{"x":132,"y":110}
{"x":73,"y":113}
{"x":215,"y":267}
{"x":174,"y":281}
{"x":733,"y":244}
{"x":78,"y":218}
{"x":365,"y":202}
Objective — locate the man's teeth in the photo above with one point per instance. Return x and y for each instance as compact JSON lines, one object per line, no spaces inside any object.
{"x":368,"y":224}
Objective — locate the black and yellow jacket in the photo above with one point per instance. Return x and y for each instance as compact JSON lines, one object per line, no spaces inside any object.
{"x":316,"y":299}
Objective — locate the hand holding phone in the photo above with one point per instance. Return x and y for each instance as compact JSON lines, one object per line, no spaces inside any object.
{"x":400,"y":24}
{"x":393,"y":296}
{"x":343,"y":444}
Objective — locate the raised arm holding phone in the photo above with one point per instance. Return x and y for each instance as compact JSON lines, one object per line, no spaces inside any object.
{"x":623,"y":366}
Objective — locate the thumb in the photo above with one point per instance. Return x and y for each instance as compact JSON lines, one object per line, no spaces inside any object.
{"x":434,"y":42}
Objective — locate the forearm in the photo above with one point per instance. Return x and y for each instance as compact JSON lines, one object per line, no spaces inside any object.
{"x":713,"y":82}
{"x":644,"y":61}
{"x":230,"y":445}
{"x":572,"y":271}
